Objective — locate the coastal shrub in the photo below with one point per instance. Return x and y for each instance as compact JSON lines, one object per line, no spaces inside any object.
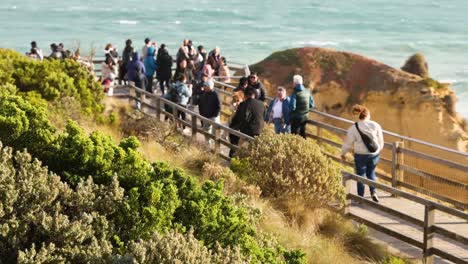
{"x":417,"y":64}
{"x":43,"y":220}
{"x":159,"y":198}
{"x":175,"y":247}
{"x":52,"y":79}
{"x":22,"y":125}
{"x":287,"y":166}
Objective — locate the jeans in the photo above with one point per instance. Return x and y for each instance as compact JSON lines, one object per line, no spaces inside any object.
{"x":365,"y":167}
{"x":279,"y":126}
{"x":298,"y":125}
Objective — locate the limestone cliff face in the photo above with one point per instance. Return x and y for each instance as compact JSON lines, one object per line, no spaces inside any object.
{"x":401,"y":102}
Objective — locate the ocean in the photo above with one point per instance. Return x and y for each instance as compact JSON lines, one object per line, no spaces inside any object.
{"x":248,"y":31}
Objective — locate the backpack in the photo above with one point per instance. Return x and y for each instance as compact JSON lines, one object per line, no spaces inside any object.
{"x":370,"y":144}
{"x":174,"y":94}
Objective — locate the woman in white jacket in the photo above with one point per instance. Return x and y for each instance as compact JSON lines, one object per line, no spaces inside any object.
{"x":365,"y":159}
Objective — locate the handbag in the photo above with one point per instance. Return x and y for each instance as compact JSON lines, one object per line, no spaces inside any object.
{"x":370,"y":144}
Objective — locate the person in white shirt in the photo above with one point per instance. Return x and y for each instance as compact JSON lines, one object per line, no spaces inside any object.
{"x":364,"y":158}
{"x":278,"y":112}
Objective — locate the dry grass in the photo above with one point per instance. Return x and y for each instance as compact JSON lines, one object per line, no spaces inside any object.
{"x":318,"y":248}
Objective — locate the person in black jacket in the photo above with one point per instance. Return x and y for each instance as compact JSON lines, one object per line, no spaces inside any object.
{"x":248,"y":117}
{"x":260,"y":92}
{"x":164,"y":71}
{"x":209,"y":105}
{"x":126,"y":57}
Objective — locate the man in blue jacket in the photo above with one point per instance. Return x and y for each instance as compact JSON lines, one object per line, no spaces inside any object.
{"x":278,"y":112}
{"x":301,"y":103}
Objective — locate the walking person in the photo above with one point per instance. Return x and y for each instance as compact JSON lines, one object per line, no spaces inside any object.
{"x":300,"y":105}
{"x":209,"y":106}
{"x":365,"y":138}
{"x":164,"y":71}
{"x":278,"y":112}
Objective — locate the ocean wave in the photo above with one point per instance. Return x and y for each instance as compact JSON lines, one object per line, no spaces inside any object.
{"x":449,"y":81}
{"x":126,"y":22}
{"x":317,"y":43}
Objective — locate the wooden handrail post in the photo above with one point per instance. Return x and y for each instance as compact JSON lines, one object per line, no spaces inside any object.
{"x":347,"y":203}
{"x":429,"y":220}
{"x":397,"y":159}
{"x":194,"y":128}
{"x":217,"y":134}
{"x":158,"y":108}
{"x":142,"y":97}
{"x":131,"y":92}
{"x":175,"y":115}
{"x":319,"y":134}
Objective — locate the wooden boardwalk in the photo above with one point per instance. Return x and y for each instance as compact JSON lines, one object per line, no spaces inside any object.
{"x":399,"y":215}
{"x":402,"y":226}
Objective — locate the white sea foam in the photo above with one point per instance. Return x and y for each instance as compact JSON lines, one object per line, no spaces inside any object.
{"x":127,"y":22}
{"x":317,"y":43}
{"x":450,"y":81}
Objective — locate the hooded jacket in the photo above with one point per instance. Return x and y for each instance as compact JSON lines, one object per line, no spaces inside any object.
{"x":164,"y":63}
{"x":301,"y":102}
{"x":150,"y":63}
{"x":135,"y":67}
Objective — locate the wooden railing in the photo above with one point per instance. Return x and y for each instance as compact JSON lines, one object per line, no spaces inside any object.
{"x":156,"y":104}
{"x":444,"y":180}
{"x":428,"y":226}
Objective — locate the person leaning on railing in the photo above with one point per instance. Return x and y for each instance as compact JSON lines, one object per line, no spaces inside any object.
{"x":365,"y":138}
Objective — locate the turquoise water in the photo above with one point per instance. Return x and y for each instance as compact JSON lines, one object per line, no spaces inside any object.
{"x":247,"y":31}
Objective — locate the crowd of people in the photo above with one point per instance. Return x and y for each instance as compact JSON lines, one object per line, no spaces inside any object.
{"x":192,"y":85}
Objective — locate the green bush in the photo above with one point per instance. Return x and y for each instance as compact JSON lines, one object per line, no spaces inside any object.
{"x":175,"y":247}
{"x":159,"y":198}
{"x":42,"y":219}
{"x":287,"y":166}
{"x":52,"y":79}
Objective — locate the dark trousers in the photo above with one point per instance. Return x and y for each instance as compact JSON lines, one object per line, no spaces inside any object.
{"x":149,"y":84}
{"x":166,"y":82}
{"x":235,"y":141}
{"x":298,"y":125}
{"x":122,"y":72}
